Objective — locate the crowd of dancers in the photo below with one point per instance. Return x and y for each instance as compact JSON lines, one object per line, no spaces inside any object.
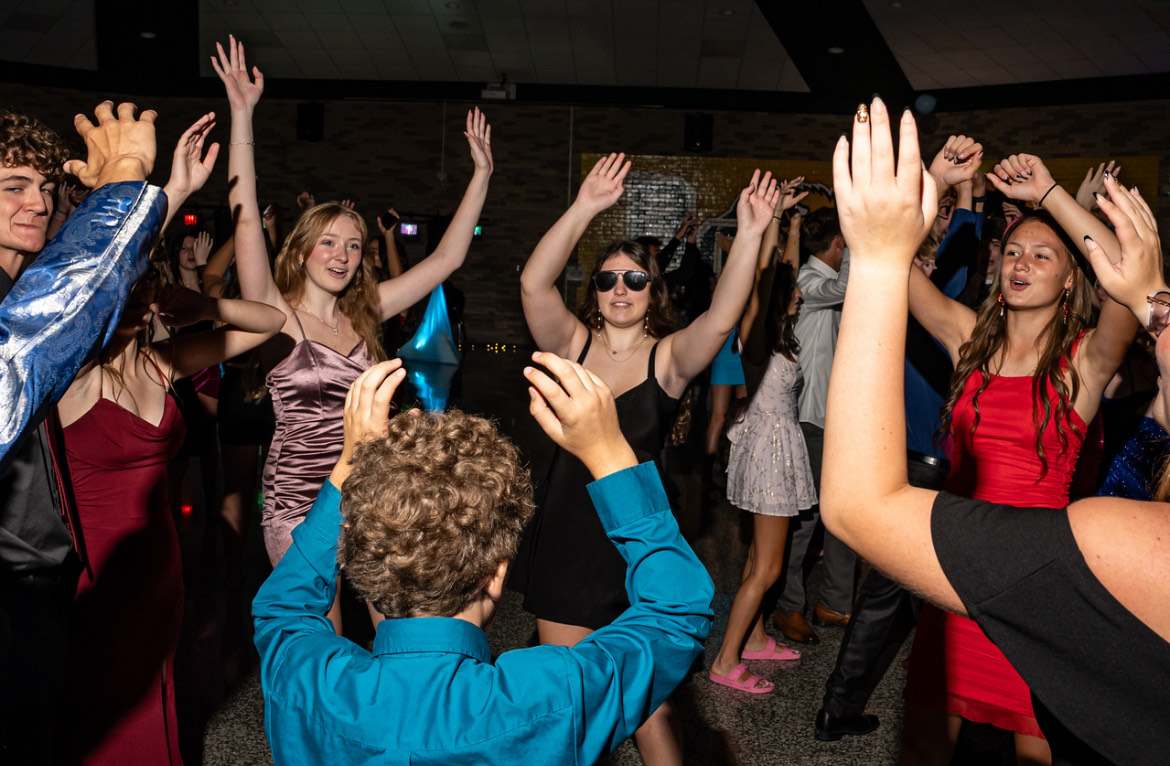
{"x":1027,"y":376}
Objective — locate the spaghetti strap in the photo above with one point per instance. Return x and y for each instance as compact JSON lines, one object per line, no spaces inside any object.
{"x":161,"y":378}
{"x":650,"y":366}
{"x":301,"y":327}
{"x":585,"y":351}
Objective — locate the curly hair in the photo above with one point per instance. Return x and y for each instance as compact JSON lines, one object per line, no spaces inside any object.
{"x":28,"y":141}
{"x":989,"y":337}
{"x":359,"y":300}
{"x":430,"y":511}
{"x":660,"y":320}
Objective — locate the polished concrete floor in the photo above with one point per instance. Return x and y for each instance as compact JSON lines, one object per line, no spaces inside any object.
{"x":722,"y":726}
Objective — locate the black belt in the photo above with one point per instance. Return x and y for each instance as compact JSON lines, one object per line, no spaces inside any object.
{"x":930,"y":460}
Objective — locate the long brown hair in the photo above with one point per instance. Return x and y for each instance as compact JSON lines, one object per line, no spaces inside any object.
{"x":659,"y":316}
{"x":781,"y":326}
{"x":989,"y":338}
{"x":359,"y":300}
{"x":111,"y":358}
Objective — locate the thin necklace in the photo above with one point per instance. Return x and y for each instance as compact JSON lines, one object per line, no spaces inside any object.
{"x":322,"y":321}
{"x":633,"y":349}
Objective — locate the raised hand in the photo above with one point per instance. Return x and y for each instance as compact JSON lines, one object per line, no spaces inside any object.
{"x":723,"y":241}
{"x":382,"y":224}
{"x":347,"y":203}
{"x":885,"y":208}
{"x":479,"y":138}
{"x":178,"y":306}
{"x":202,"y":248}
{"x":1011,"y":212}
{"x":603,"y":186}
{"x":1138,"y":272}
{"x":689,"y":225}
{"x":757,"y":202}
{"x":243,"y":92}
{"x":1094,"y":184}
{"x":578,"y":413}
{"x":305,"y":200}
{"x":1022,"y":177}
{"x":367,"y":410}
{"x":957,"y":161}
{"x":65,"y":204}
{"x":788,"y":197}
{"x":190,"y":169}
{"x":120,"y":147}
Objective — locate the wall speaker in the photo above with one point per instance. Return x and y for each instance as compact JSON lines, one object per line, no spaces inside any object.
{"x":697,"y":134}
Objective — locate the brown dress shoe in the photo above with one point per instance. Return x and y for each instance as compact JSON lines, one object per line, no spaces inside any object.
{"x":795,"y":627}
{"x":824,"y":616}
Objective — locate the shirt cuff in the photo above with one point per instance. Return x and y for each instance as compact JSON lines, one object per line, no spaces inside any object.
{"x":628,"y":495}
{"x":324,"y":518}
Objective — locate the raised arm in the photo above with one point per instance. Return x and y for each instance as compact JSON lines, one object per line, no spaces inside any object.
{"x":1026,"y":177}
{"x":217,"y":266}
{"x":948,"y":321}
{"x":628,"y":667}
{"x":243,"y":92}
{"x":553,"y":326}
{"x":393,"y":259}
{"x":190,"y":168}
{"x":686,"y":353}
{"x":242,"y":325}
{"x":751,"y":325}
{"x":957,"y":161}
{"x":69,"y":301}
{"x":884,"y":216}
{"x":418,"y":281}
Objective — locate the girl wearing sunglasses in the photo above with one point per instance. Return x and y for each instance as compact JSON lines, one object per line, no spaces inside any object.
{"x":571,"y":574}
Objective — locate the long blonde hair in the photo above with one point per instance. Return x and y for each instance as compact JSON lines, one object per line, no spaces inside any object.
{"x":989,"y":337}
{"x":359,"y":300}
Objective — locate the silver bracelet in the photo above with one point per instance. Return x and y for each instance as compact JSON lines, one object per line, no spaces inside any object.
{"x":242,"y":143}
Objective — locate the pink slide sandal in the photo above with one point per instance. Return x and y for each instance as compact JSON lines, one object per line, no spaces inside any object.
{"x":773,"y":651}
{"x":743,"y":680}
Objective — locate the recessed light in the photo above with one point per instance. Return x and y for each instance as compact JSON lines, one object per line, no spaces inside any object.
{"x":728,"y":12}
{"x":836,"y":50}
{"x":453,"y":6}
{"x":147,"y":35}
{"x":895,"y":4}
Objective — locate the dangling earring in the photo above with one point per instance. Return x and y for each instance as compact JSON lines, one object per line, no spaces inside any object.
{"x":1002,"y":306}
{"x":1064,"y":303}
{"x":600,"y":322}
{"x":646,"y":325}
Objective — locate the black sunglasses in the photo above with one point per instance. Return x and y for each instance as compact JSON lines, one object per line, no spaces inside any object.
{"x":605,"y":281}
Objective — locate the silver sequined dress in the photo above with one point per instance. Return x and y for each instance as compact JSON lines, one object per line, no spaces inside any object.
{"x":768,"y":471}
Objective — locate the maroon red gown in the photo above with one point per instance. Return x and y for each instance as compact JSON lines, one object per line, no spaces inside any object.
{"x":126,"y":620}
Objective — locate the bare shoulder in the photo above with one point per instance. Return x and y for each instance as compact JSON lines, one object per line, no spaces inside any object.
{"x":1126,"y":545}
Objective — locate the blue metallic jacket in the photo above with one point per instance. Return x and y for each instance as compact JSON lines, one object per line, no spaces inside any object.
{"x":69,"y":301}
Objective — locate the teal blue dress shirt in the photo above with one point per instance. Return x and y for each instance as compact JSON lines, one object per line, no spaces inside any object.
{"x":429,"y":692}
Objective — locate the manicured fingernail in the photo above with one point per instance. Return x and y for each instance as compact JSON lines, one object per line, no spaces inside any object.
{"x":1107,"y":174}
{"x":1098,"y":195}
{"x":1019,"y":177}
{"x":862,"y":113}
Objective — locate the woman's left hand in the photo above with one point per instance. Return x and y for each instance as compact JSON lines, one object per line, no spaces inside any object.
{"x":479,"y":137}
{"x":885,"y":208}
{"x":757,"y":203}
{"x":1022,"y":177}
{"x":367,"y":410}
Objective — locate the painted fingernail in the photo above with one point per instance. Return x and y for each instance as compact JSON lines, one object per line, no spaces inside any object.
{"x":1019,"y":177}
{"x":1088,"y":238}
{"x":862,"y":113}
{"x":1107,"y":174}
{"x":1097,"y":195}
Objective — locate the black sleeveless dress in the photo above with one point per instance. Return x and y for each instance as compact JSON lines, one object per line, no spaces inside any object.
{"x":566,"y":567}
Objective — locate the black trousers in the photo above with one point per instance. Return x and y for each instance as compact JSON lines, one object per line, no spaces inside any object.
{"x":883,"y":615}
{"x":34,"y":635}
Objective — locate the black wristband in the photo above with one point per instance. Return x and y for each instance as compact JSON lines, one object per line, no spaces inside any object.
{"x":1050,"y":188}
{"x":980,"y":198}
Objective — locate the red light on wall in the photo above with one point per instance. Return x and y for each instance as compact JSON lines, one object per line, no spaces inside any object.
{"x":190,"y":219}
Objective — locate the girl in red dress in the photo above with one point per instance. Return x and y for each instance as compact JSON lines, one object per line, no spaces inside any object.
{"x":1029,"y":374}
{"x":122,"y":427}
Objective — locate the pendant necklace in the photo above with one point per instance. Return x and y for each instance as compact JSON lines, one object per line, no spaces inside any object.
{"x":334,"y":328}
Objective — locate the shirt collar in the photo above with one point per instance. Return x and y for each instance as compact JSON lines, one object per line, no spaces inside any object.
{"x":818,"y":265}
{"x":447,"y":635}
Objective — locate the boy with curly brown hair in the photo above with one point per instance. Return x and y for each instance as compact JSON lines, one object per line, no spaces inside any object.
{"x":430,"y":508}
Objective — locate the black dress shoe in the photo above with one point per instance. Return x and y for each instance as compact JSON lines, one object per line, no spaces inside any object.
{"x":830,"y":729}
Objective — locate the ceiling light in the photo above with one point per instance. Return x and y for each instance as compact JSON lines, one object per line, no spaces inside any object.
{"x":836,"y":50}
{"x":727,"y":12}
{"x":895,"y":4}
{"x":147,"y":35}
{"x":453,"y":6}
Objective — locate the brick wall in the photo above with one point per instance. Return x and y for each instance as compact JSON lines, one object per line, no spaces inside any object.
{"x":392,"y":153}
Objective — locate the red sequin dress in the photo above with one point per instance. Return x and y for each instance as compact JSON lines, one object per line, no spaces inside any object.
{"x":953,"y":665}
